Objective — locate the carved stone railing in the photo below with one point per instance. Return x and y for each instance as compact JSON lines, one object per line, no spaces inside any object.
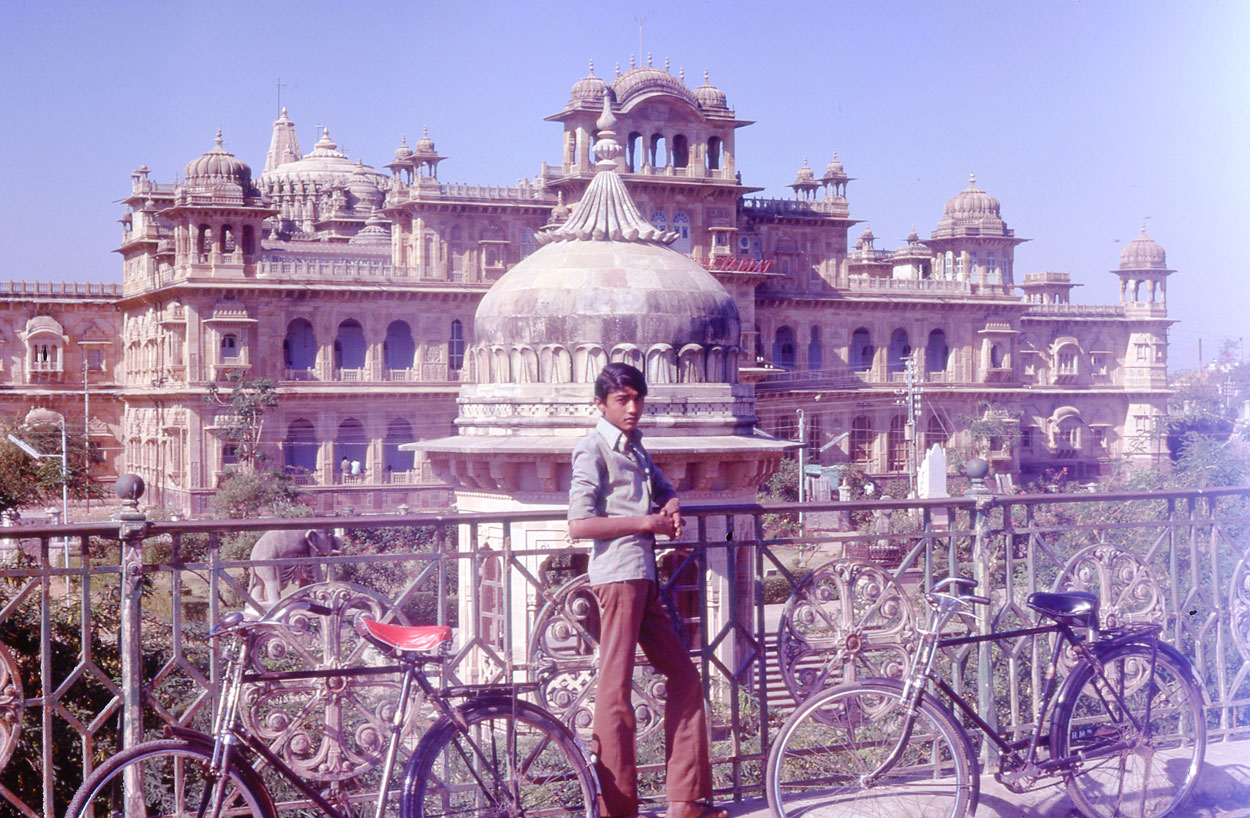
{"x":109,"y":649}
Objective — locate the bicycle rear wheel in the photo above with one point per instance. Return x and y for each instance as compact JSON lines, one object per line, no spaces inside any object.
{"x":1157,"y":771}
{"x":513,"y":759}
{"x":167,"y":780}
{"x":821,"y":759}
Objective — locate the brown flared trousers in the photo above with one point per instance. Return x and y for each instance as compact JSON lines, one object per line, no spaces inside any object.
{"x":631,"y":616}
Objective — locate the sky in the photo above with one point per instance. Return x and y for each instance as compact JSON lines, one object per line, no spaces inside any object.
{"x":1082,"y":118}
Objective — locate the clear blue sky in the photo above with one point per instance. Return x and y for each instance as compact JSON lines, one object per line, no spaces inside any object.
{"x":1081,"y":118}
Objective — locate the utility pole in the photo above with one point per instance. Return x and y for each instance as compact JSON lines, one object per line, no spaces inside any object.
{"x":86,"y":426}
{"x":909,"y":399}
{"x":802,"y":465}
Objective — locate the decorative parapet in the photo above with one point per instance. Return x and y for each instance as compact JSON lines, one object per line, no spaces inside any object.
{"x":1077,"y":310}
{"x":794,"y":207}
{"x":69,"y":289}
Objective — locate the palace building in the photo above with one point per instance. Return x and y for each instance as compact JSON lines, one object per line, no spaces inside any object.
{"x":355,"y":288}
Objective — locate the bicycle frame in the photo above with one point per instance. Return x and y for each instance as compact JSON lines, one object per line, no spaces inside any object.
{"x":923,"y":673}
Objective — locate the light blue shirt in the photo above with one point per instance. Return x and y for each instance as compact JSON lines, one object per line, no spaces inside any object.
{"x":613,"y":476}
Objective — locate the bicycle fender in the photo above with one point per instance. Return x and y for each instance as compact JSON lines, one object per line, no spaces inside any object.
{"x":1068,"y":692}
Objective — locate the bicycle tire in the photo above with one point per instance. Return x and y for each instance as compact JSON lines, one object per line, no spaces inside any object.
{"x":821,"y":755}
{"x":548,"y":777}
{"x":170,"y":770}
{"x":1103,"y":782}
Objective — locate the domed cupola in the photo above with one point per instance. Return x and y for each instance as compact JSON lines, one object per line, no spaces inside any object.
{"x":218,"y":165}
{"x":403,"y":151}
{"x":588,"y":90}
{"x":605,"y":285}
{"x":363,"y":186}
{"x":649,"y":80}
{"x":710,"y":97}
{"x":1143,"y":253}
{"x":971,"y":208}
{"x":375,"y":233}
{"x":972,"y":202}
{"x":804,"y":184}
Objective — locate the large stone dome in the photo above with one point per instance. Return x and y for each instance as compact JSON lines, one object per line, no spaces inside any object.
{"x":971,"y":208}
{"x":574,"y":293}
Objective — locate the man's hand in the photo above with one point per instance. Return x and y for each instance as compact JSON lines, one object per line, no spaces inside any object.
{"x":672,"y":510}
{"x":661,"y":523}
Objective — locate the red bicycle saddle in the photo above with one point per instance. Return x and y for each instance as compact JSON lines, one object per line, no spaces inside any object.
{"x":405,"y":638}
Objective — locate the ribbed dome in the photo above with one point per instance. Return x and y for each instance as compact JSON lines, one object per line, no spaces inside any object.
{"x":364,"y":187}
{"x":709,"y":95}
{"x":649,"y":79}
{"x":834,"y":169}
{"x":972,"y":202}
{"x":588,"y":89}
{"x":805,"y":175}
{"x":403,"y":151}
{"x":425,"y":145}
{"x":1143,"y":253}
{"x":375,"y":233}
{"x":218,"y":165}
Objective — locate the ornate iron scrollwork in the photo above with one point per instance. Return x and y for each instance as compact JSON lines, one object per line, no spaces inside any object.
{"x":1239,"y":608}
{"x":845,"y":620}
{"x":331,"y":729}
{"x":12,"y":705}
{"x":565,"y":650}
{"x":1128,"y":592}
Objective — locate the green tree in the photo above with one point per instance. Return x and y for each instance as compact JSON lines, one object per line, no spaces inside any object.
{"x":26,"y":480}
{"x":248,"y":402}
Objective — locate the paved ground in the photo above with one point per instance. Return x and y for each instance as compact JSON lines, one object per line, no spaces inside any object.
{"x":1223,"y":792}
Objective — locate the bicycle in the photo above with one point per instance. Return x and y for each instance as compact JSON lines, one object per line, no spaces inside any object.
{"x":493,"y":754}
{"x":1127,"y":731}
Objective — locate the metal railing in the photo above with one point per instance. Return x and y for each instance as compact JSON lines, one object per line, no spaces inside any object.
{"x":109,"y":649}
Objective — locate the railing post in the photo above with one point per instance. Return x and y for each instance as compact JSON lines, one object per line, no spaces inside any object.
{"x":132,"y":527}
{"x":982,"y":560}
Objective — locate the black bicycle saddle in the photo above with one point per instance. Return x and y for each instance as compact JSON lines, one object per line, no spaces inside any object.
{"x":1077,"y":609}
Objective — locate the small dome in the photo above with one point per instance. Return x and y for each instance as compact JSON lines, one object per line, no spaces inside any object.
{"x":588,"y":89}
{"x":375,"y":233}
{"x":805,"y":178}
{"x":709,"y":95}
{"x":43,"y":417}
{"x":834,"y":169}
{"x":425,"y":145}
{"x":972,"y":201}
{"x":403,"y":151}
{"x":364,"y":187}
{"x":218,"y":165}
{"x":1143,"y":253}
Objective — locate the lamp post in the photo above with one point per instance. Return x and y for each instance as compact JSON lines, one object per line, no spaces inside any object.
{"x":33,"y":452}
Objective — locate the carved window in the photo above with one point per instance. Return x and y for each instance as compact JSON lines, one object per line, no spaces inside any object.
{"x":861,"y":440}
{"x":229,"y":347}
{"x":659,"y":220}
{"x":784,"y":348}
{"x":455,"y":347}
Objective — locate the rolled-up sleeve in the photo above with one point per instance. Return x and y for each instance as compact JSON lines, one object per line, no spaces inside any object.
{"x":585,"y":484}
{"x":661,"y":488}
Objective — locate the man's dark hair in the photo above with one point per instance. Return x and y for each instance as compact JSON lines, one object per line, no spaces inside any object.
{"x":616,"y":377}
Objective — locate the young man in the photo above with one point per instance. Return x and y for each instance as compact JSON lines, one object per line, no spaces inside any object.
{"x":619,"y":499}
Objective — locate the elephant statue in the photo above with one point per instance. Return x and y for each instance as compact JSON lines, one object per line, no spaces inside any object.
{"x":269,"y":580}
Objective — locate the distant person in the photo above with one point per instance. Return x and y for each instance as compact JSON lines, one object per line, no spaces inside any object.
{"x":345,"y":465}
{"x":355,"y":468}
{"x":619,"y":499}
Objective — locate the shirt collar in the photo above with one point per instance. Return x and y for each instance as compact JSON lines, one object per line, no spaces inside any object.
{"x":616,"y":438}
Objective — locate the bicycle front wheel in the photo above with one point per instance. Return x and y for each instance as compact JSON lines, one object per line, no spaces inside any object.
{"x":1131,"y":765}
{"x":167,"y":779}
{"x":510,"y":759}
{"x":830,"y":758}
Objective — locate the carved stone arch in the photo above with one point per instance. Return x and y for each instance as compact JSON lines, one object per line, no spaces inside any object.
{"x":716,"y":364}
{"x":482,"y":356}
{"x":554,"y":364}
{"x":524,"y":364}
{"x":588,"y":361}
{"x":627,"y":354}
{"x":690,"y":364}
{"x":500,"y":369}
{"x":661,"y":364}
{"x":732,"y":356}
